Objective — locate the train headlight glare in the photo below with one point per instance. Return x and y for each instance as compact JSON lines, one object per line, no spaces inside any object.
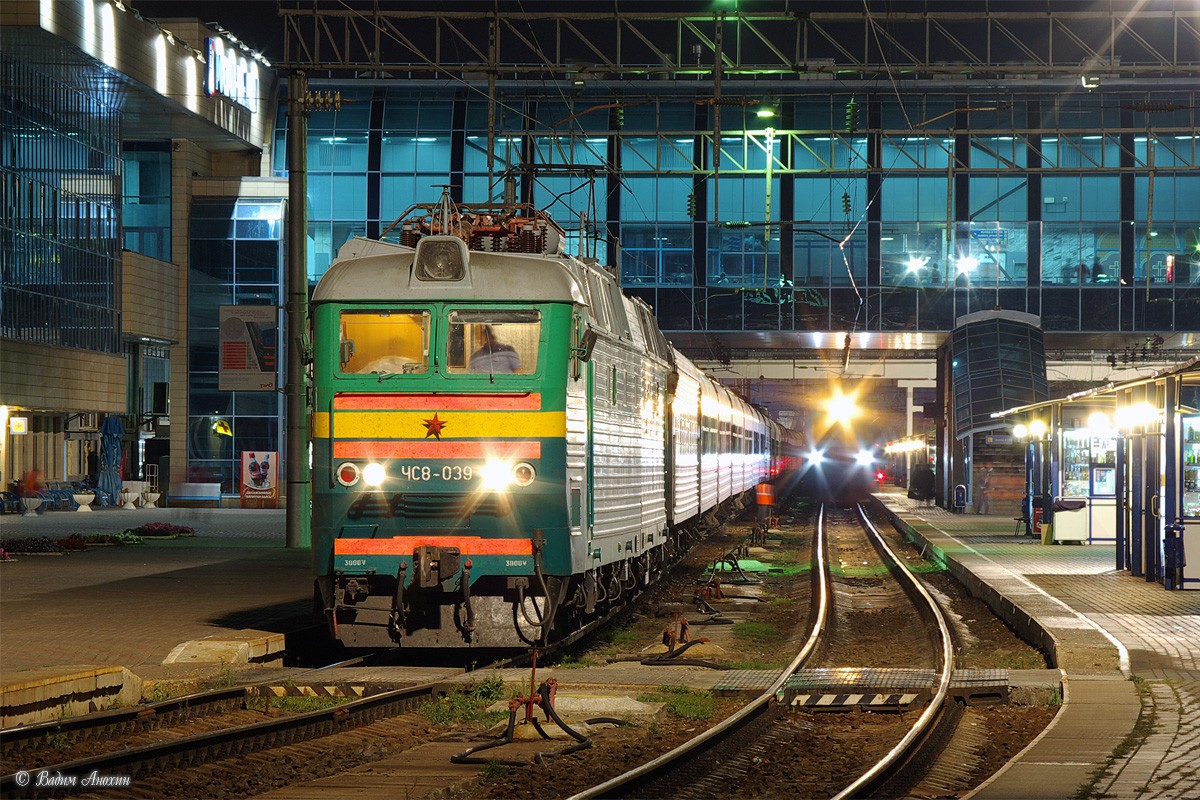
{"x":374,"y":474}
{"x":864,"y":458}
{"x":816,"y":458}
{"x":348,"y":474}
{"x":496,"y":475}
{"x":523,"y":474}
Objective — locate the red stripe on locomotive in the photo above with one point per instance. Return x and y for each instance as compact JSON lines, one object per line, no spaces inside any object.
{"x":405,"y":545}
{"x":437,"y":402}
{"x":400,"y":448}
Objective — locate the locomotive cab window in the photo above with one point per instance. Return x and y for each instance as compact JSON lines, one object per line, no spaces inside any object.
{"x":385,"y":342}
{"x":493,"y":342}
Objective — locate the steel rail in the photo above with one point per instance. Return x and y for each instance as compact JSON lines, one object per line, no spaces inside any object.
{"x":669,"y":760}
{"x":194,"y":750}
{"x":897,"y":755}
{"x":113,"y":721}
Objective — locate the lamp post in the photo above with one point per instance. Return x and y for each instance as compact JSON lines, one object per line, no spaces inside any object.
{"x":298,"y":522}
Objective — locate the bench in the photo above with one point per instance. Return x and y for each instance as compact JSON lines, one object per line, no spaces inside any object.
{"x":195,"y":493}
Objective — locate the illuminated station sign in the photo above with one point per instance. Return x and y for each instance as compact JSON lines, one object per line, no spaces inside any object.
{"x":230,"y":74}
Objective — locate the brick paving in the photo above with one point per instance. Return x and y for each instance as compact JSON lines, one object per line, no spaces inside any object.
{"x":131,"y":605}
{"x":1101,"y":621}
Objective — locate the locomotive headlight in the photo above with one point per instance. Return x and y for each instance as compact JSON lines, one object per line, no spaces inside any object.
{"x":496,"y":475}
{"x":374,"y":474}
{"x":864,"y":458}
{"x":816,"y":458}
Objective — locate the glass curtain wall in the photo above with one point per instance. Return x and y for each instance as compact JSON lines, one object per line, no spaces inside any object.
{"x":236,"y":258}
{"x":60,"y":184}
{"x":842,"y":210}
{"x":146,"y":201}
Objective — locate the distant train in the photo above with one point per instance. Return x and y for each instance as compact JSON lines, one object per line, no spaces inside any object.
{"x":505,"y":447}
{"x":838,"y":469}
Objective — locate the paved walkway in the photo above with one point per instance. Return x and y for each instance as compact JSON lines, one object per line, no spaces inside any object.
{"x":131,"y":605}
{"x":1130,"y":651}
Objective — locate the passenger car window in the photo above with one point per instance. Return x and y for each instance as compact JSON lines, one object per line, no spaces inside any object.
{"x":385,"y":342}
{"x":493,"y":342}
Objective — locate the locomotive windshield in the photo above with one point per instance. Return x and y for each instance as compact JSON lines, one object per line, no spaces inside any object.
{"x":493,"y":342}
{"x":385,"y":342}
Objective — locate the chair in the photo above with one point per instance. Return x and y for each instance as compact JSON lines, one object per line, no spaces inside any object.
{"x":59,"y":497}
{"x":9,"y":503}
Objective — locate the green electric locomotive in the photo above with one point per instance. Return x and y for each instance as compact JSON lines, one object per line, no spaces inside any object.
{"x":493,"y":458}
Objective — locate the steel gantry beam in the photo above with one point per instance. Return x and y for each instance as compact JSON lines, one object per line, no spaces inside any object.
{"x":1128,"y":38}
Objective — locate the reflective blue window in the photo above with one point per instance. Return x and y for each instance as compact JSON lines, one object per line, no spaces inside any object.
{"x":146,"y":204}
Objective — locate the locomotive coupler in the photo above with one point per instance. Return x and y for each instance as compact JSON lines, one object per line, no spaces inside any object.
{"x":396,"y":618}
{"x":434,"y":565}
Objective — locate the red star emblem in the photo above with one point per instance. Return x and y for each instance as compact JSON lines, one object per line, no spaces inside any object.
{"x":433,"y":427}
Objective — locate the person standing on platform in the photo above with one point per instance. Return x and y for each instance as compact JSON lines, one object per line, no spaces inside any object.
{"x":93,"y":467}
{"x":983,"y":505}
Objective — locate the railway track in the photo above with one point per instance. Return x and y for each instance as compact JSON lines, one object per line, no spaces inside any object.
{"x":239,"y":740}
{"x":154,"y":737}
{"x":728,"y":756}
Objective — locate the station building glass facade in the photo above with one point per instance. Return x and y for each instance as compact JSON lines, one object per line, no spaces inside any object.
{"x":60,"y":208}
{"x":236,"y":258}
{"x":843,"y":210}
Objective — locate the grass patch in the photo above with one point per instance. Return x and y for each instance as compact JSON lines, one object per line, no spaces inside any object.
{"x":222,"y":680}
{"x":682,"y":702}
{"x":58,"y":741}
{"x":468,"y":704}
{"x":761,"y":632}
{"x":298,"y":704}
{"x":1019,"y":660}
{"x":493,"y":771}
{"x":157,"y":693}
{"x":574,"y":661}
{"x":624,"y":639}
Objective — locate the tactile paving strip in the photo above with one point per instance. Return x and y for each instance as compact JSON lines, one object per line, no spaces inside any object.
{"x":746,"y":680}
{"x":863,"y":679}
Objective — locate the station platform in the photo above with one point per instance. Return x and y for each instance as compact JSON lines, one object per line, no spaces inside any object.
{"x":186,"y":609}
{"x":1128,"y":650}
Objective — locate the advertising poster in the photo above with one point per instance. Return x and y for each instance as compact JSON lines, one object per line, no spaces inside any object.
{"x":249,"y":341}
{"x":260,"y":479}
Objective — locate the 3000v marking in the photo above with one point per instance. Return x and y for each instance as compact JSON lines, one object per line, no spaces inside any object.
{"x":446,"y":473}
